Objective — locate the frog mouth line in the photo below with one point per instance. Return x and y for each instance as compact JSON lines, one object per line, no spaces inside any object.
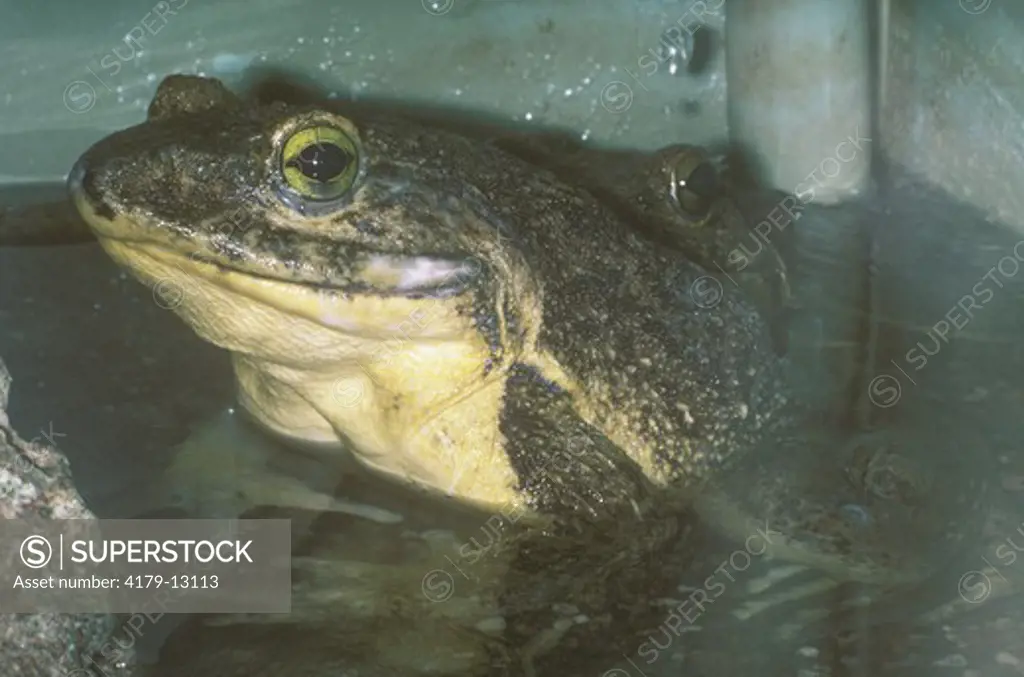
{"x":378,"y":273}
{"x":382,"y":275}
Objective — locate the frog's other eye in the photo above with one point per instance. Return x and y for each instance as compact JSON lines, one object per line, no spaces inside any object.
{"x":320,"y":163}
{"x":694,"y":184}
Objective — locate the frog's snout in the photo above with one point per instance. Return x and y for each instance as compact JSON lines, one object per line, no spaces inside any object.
{"x":84,"y":191}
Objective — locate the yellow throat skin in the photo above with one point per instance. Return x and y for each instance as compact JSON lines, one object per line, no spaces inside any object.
{"x":395,"y":377}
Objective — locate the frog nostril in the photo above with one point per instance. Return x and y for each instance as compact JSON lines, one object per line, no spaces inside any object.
{"x":82,"y":181}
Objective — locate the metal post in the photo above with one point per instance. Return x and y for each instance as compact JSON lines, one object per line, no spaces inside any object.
{"x":799,"y":82}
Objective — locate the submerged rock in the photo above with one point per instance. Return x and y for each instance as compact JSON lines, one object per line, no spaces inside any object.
{"x":35,"y":481}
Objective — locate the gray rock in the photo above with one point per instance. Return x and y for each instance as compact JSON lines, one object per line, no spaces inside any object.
{"x":35,"y":481}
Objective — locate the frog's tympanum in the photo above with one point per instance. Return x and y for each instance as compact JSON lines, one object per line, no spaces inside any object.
{"x":454,"y":318}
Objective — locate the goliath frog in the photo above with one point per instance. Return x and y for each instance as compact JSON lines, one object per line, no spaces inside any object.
{"x":451,"y":316}
{"x":447,"y":312}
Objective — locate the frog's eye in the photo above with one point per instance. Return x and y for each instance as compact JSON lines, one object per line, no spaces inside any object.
{"x":694,"y":184}
{"x":320,"y":163}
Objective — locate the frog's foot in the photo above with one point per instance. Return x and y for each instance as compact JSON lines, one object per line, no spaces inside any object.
{"x":223,"y":470}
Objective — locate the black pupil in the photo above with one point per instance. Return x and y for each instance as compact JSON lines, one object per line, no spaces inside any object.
{"x":703,"y":181}
{"x":321,"y":161}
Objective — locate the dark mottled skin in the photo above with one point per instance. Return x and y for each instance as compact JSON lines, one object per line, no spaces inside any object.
{"x":668,"y":385}
{"x":534,"y":407}
{"x":591,"y":568}
{"x":807,"y":484}
{"x":636,"y":185}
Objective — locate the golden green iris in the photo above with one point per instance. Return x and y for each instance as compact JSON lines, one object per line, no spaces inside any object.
{"x":320,"y":162}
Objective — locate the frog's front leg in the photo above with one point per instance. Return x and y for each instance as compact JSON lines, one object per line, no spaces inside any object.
{"x":224,"y":468}
{"x":597,"y":565}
